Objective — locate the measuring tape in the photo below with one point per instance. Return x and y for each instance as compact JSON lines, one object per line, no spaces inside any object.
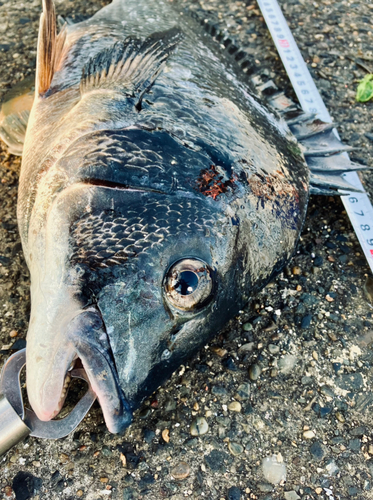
{"x":357,"y":205}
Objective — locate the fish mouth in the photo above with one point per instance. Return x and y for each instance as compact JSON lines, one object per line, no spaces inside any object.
{"x":48,"y":376}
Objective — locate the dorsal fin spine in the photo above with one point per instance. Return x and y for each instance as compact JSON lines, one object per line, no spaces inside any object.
{"x":50,"y":47}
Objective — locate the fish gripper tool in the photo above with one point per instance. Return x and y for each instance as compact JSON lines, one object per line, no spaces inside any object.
{"x":18,"y":422}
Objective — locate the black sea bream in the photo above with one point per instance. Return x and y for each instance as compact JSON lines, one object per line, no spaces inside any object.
{"x":158,"y":194}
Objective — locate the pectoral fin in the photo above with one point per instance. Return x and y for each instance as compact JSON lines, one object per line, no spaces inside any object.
{"x":14,"y":114}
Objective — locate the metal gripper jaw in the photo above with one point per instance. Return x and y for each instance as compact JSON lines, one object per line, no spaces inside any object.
{"x":17,"y":422}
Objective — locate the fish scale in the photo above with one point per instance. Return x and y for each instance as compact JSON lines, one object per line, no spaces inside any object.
{"x":123,"y":237}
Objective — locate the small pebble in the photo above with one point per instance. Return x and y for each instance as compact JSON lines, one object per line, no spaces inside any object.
{"x":296,"y":270}
{"x":8,"y":491}
{"x":129,"y":494}
{"x":243,"y":391}
{"x":123,"y":460}
{"x":309,"y":434}
{"x":199,"y":426}
{"x":145,"y":412}
{"x":254,"y":372}
{"x":13,"y":333}
{"x":247,"y":327}
{"x":291,"y":495}
{"x":235,"y":448}
{"x":104,"y":479}
{"x":79,"y":493}
{"x":317,"y":450}
{"x":332,"y":468}
{"x":219,"y":351}
{"x":328,"y":392}
{"x":287,"y":363}
{"x":234,"y":493}
{"x":332,"y":336}
{"x":234,"y":406}
{"x":329,"y":298}
{"x":306,"y":321}
{"x":246,"y":348}
{"x":273,"y":348}
{"x":340,"y":417}
{"x":274,"y":469}
{"x":170,"y":405}
{"x":166,"y":435}
{"x":180,"y":471}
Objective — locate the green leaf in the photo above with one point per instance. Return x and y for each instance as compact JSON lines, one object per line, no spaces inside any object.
{"x":365,"y":89}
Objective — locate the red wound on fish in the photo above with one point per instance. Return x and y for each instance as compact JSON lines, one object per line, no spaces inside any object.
{"x":210,"y":183}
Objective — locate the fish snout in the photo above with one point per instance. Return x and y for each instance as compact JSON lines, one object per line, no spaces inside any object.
{"x":50,"y":354}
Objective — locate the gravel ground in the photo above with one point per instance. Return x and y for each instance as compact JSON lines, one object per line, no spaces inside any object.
{"x":289,"y":379}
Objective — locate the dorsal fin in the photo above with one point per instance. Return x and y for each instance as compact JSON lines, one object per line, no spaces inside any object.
{"x":50,"y":47}
{"x":130,"y":66}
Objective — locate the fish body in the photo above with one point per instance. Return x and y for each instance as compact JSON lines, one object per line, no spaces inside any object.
{"x":157,"y":195}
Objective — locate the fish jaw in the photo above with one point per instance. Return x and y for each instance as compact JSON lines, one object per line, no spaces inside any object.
{"x":53,"y":343}
{"x":45,"y":379}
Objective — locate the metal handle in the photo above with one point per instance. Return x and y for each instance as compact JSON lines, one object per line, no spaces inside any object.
{"x":12,"y":427}
{"x":16,"y":423}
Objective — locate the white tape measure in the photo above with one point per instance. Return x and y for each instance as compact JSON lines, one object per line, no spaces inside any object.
{"x":357,"y":205}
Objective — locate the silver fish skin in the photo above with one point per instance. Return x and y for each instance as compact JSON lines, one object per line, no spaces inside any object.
{"x":157,"y":195}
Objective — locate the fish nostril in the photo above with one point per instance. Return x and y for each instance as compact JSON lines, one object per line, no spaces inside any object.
{"x":174,"y":334}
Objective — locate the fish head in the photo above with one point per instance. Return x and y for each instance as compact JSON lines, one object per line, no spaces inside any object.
{"x":132,"y":281}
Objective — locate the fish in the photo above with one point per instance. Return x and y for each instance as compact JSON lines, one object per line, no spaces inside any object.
{"x":164,"y":183}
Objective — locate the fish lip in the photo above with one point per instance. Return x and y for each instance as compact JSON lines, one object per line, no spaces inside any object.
{"x":98,"y":361}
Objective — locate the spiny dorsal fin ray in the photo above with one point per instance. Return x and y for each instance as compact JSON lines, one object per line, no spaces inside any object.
{"x":331,"y":182}
{"x":320,"y":145}
{"x":130,"y":66}
{"x":323,"y":144}
{"x":50,"y":47}
{"x":298,"y":116}
{"x":310,"y":128}
{"x":336,"y":163}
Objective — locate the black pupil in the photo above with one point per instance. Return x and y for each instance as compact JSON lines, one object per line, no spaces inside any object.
{"x":187,"y":283}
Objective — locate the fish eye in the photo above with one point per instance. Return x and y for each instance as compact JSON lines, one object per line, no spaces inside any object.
{"x":188,"y":284}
